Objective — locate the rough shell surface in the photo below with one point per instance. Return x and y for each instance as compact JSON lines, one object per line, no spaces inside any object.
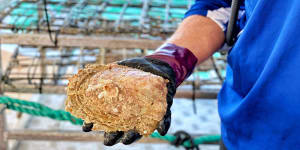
{"x":117,"y":98}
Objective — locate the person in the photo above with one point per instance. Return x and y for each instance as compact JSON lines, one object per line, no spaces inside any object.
{"x":259,"y":103}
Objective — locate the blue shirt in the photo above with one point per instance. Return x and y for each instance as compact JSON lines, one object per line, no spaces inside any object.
{"x":259,"y":104}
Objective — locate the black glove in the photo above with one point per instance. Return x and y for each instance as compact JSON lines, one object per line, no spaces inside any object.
{"x":156,"y":67}
{"x":169,"y":61}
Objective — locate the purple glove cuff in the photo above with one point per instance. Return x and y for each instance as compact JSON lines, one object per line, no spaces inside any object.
{"x":182,"y":60}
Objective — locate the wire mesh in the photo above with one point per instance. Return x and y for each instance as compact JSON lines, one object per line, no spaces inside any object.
{"x":154,"y":17}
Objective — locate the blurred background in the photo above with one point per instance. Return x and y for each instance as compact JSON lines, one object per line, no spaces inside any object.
{"x":43,"y":42}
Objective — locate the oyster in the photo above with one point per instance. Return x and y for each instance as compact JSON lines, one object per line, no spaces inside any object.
{"x":117,"y":98}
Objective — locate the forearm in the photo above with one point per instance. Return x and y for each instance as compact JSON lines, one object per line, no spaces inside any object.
{"x":200,"y":35}
{"x":196,"y":39}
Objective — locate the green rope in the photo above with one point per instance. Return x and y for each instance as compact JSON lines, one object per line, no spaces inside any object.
{"x":37,"y":109}
{"x":197,"y":141}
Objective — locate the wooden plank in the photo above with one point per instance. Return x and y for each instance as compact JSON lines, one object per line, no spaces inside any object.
{"x":48,"y":135}
{"x":79,"y":41}
{"x":29,"y":88}
{"x":3,"y":138}
{"x":53,"y":135}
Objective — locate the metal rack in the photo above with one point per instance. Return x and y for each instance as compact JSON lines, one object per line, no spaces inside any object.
{"x":83,"y":32}
{"x":40,"y":68}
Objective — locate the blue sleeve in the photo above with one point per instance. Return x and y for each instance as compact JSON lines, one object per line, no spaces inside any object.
{"x":201,"y":7}
{"x":217,"y":10}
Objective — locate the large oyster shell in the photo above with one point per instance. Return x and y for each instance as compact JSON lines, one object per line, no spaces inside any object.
{"x":117,"y":98}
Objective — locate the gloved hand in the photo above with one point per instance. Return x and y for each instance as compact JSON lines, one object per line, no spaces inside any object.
{"x":170,"y":62}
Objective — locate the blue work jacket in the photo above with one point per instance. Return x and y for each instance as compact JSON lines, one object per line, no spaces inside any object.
{"x":259,"y":103}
